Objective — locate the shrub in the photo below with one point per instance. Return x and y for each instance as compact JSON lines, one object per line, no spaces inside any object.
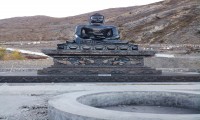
{"x":2,"y":52}
{"x":15,"y":55}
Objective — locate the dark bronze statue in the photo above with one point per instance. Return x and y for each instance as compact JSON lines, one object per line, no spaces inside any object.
{"x":97,"y":33}
{"x":96,"y":30}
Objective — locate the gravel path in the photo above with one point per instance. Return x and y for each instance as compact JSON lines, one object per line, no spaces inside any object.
{"x":25,"y":64}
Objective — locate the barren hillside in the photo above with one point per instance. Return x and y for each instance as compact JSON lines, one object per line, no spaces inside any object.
{"x":170,"y":21}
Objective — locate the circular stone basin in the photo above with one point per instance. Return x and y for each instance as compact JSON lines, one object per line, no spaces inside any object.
{"x":134,"y":105}
{"x":144,"y":102}
{"x":152,"y":109}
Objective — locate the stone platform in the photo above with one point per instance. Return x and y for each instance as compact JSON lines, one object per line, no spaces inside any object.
{"x":97,"y":62}
{"x":99,"y":70}
{"x":24,"y":77}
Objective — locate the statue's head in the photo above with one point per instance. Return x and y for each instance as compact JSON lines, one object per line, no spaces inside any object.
{"x":96,"y":19}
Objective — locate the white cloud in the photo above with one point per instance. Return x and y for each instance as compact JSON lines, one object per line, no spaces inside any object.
{"x":61,"y":8}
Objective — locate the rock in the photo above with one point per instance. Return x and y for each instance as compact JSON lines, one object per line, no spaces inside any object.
{"x":105,"y":61}
{"x":82,"y":62}
{"x":90,"y":61}
{"x":121,"y":63}
{"x":134,"y":62}
{"x":157,"y":28}
{"x":65,"y":62}
{"x":115,"y":63}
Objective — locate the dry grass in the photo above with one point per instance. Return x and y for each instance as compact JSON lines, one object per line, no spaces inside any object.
{"x":15,"y":55}
{"x":2,"y":53}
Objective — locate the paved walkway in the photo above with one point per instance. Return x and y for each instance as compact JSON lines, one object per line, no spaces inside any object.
{"x":29,"y":100}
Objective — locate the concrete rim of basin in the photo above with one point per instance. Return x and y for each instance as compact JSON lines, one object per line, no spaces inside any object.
{"x":78,"y":105}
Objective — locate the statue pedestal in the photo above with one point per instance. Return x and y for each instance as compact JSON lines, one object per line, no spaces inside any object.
{"x":98,"y":63}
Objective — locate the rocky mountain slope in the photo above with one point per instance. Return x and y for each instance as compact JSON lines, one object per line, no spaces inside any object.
{"x":169,"y":21}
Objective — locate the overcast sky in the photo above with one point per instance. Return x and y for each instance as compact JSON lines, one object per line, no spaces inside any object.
{"x":61,"y":8}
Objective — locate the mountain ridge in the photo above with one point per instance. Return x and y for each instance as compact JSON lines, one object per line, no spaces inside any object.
{"x":169,"y":21}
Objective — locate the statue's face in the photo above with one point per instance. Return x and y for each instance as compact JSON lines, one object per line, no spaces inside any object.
{"x":97,"y":19}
